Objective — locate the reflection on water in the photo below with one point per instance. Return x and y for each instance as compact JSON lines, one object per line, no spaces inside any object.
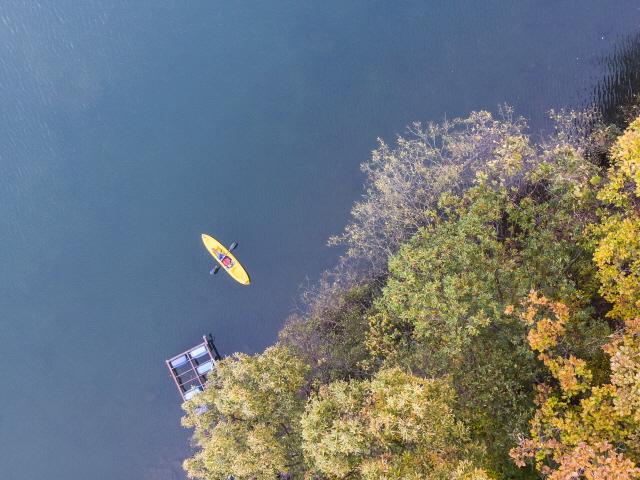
{"x":617,"y":95}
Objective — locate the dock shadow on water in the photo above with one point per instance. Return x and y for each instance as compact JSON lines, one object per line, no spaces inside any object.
{"x":617,"y":95}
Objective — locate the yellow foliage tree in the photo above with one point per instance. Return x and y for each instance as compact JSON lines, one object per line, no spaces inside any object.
{"x":393,"y":426}
{"x":617,"y":253}
{"x":247,"y":421}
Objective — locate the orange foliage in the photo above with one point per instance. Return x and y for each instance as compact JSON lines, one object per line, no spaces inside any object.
{"x":581,"y":430}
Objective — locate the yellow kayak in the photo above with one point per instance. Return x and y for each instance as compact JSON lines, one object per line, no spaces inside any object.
{"x":226,"y":260}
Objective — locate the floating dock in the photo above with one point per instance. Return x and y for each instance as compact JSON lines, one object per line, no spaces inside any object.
{"x":190,"y":369}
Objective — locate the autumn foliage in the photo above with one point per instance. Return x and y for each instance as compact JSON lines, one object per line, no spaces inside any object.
{"x":395,"y":425}
{"x":582,"y":429}
{"x":484,"y":325}
{"x":579,"y":427}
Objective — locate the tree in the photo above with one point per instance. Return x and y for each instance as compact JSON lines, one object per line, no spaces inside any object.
{"x":581,"y":429}
{"x":617,"y":236}
{"x":247,"y":421}
{"x":395,"y":425}
{"x":404,"y":184}
{"x":442,"y":309}
{"x":586,"y":424}
{"x":330,"y":336}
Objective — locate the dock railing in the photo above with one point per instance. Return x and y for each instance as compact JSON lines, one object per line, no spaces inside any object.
{"x":191,"y":368}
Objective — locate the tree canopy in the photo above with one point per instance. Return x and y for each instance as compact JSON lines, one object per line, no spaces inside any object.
{"x":247,"y":421}
{"x":582,"y":427}
{"x":395,"y":425}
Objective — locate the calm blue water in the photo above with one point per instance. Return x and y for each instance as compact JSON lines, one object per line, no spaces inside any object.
{"x":129,"y":128}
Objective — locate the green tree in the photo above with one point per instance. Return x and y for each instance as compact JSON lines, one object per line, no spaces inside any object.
{"x":518,"y":225}
{"x":247,"y":421}
{"x":393,"y":426}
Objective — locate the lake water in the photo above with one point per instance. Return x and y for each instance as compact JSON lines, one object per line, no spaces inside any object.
{"x":129,"y":128}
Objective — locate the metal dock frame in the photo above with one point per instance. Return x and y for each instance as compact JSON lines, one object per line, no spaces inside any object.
{"x":183,"y":367}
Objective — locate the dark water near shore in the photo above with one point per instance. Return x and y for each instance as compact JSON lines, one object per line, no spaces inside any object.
{"x":129,"y":128}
